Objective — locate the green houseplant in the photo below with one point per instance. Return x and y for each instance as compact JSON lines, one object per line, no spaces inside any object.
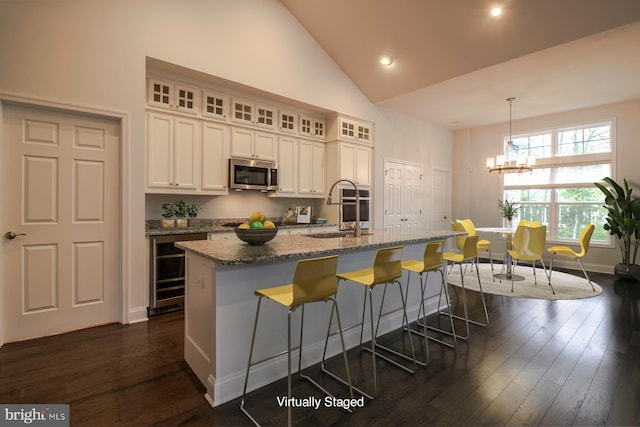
{"x":192,"y":213}
{"x":168,"y":213}
{"x":181,"y":213}
{"x":508,"y":209}
{"x":623,"y":222}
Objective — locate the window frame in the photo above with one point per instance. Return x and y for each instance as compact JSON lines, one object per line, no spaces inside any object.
{"x":567,"y":161}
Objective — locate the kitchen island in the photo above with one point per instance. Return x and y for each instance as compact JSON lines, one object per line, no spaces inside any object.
{"x":222,"y":276}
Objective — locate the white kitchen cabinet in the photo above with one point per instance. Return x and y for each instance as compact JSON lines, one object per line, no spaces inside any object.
{"x":250,"y":113}
{"x":311,"y":126}
{"x":287,"y":165}
{"x":173,"y":145}
{"x":355,"y":163}
{"x":311,"y":167}
{"x":174,"y":96}
{"x":354,"y":130}
{"x":215,"y":105}
{"x":214,"y":164}
{"x":251,"y":144}
{"x":287,"y":121}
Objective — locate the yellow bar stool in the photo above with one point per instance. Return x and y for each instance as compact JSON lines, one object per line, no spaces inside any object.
{"x":469,"y":254}
{"x":386,"y":269}
{"x":433,"y":260}
{"x":314,"y":280}
{"x":483,"y":244}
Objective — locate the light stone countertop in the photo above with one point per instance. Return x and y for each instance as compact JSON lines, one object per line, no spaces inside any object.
{"x":233,"y":251}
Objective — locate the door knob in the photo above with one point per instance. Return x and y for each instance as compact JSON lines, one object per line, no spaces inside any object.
{"x":11,"y":235}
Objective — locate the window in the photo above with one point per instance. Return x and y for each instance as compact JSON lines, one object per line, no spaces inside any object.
{"x":560,"y":191}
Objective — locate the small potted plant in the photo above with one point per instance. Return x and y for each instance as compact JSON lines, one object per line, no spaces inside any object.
{"x":168,"y":213}
{"x":192,"y":213}
{"x":508,"y":210}
{"x":181,"y":213}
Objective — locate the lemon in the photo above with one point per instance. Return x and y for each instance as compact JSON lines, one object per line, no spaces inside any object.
{"x":268,"y":224}
{"x":244,"y":226}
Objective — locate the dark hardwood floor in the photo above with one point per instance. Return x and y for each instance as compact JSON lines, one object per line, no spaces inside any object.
{"x":538,"y":363}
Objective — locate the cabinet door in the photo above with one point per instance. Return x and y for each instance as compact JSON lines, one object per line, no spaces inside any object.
{"x":287,"y":164}
{"x":215,"y":105}
{"x":311,"y":168}
{"x":363,"y":166}
{"x":215,"y":151}
{"x":160,"y":93}
{"x":159,"y":151}
{"x":186,"y":147}
{"x":317,"y":168}
{"x":265,"y":146}
{"x":305,"y":167}
{"x":242,"y":143}
{"x":347,"y":161}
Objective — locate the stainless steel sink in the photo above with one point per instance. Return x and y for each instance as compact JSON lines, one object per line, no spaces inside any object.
{"x":336,"y":234}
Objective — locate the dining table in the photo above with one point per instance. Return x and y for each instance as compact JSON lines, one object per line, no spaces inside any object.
{"x":508,"y":232}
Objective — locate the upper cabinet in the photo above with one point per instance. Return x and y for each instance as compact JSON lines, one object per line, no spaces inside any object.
{"x":185,"y":155}
{"x":251,"y":144}
{"x":312,"y":127}
{"x":177,"y":97}
{"x":172,"y":151}
{"x":352,"y":130}
{"x":250,"y":113}
{"x":215,"y":105}
{"x":355,"y":163}
{"x":311,"y":168}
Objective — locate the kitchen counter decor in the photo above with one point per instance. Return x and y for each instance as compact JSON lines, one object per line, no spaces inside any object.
{"x":256,"y":237}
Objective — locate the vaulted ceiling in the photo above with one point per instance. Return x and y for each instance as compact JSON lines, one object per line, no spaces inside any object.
{"x":455,"y":65}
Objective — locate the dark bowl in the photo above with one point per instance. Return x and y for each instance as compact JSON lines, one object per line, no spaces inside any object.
{"x":256,"y":236}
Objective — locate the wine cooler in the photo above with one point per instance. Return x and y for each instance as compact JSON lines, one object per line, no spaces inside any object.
{"x":166,"y":290}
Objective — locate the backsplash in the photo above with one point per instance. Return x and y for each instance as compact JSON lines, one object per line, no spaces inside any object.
{"x":236,"y":205}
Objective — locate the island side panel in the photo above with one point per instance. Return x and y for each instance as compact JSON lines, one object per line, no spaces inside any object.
{"x":199,"y":334}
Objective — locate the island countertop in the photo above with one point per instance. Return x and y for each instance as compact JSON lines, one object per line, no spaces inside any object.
{"x":233,"y":251}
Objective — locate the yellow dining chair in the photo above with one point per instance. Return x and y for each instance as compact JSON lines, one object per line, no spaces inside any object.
{"x":314,"y":280}
{"x":528,"y":223}
{"x":468,"y":246}
{"x":585,"y":238}
{"x":483,"y":244}
{"x":528,"y":245}
{"x":432,"y":260}
{"x":386,"y":269}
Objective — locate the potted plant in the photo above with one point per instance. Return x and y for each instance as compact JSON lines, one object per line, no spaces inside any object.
{"x":623,"y":221}
{"x":508,"y":209}
{"x":169,"y":212}
{"x":181,"y":213}
{"x":192,"y":213}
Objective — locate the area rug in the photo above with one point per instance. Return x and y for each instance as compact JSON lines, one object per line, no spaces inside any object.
{"x":567,"y":286}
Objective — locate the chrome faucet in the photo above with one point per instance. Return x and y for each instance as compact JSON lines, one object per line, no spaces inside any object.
{"x":357,"y":202}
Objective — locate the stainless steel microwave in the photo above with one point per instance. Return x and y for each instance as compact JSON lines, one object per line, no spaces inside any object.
{"x":245,"y":174}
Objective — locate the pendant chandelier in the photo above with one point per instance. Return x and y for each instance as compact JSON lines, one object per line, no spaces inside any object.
{"x":511,"y":161}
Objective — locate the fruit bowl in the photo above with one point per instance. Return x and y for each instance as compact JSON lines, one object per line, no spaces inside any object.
{"x":256,"y":236}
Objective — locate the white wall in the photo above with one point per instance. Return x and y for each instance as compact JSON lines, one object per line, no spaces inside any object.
{"x":92,"y":53}
{"x":476,"y":192}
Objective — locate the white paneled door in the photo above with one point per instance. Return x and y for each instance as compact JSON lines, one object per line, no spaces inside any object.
{"x":402,"y":194}
{"x":60,"y":234}
{"x":440,"y":199}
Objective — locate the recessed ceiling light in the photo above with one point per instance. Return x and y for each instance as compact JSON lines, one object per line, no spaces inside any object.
{"x":496,"y":11}
{"x":386,"y":61}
